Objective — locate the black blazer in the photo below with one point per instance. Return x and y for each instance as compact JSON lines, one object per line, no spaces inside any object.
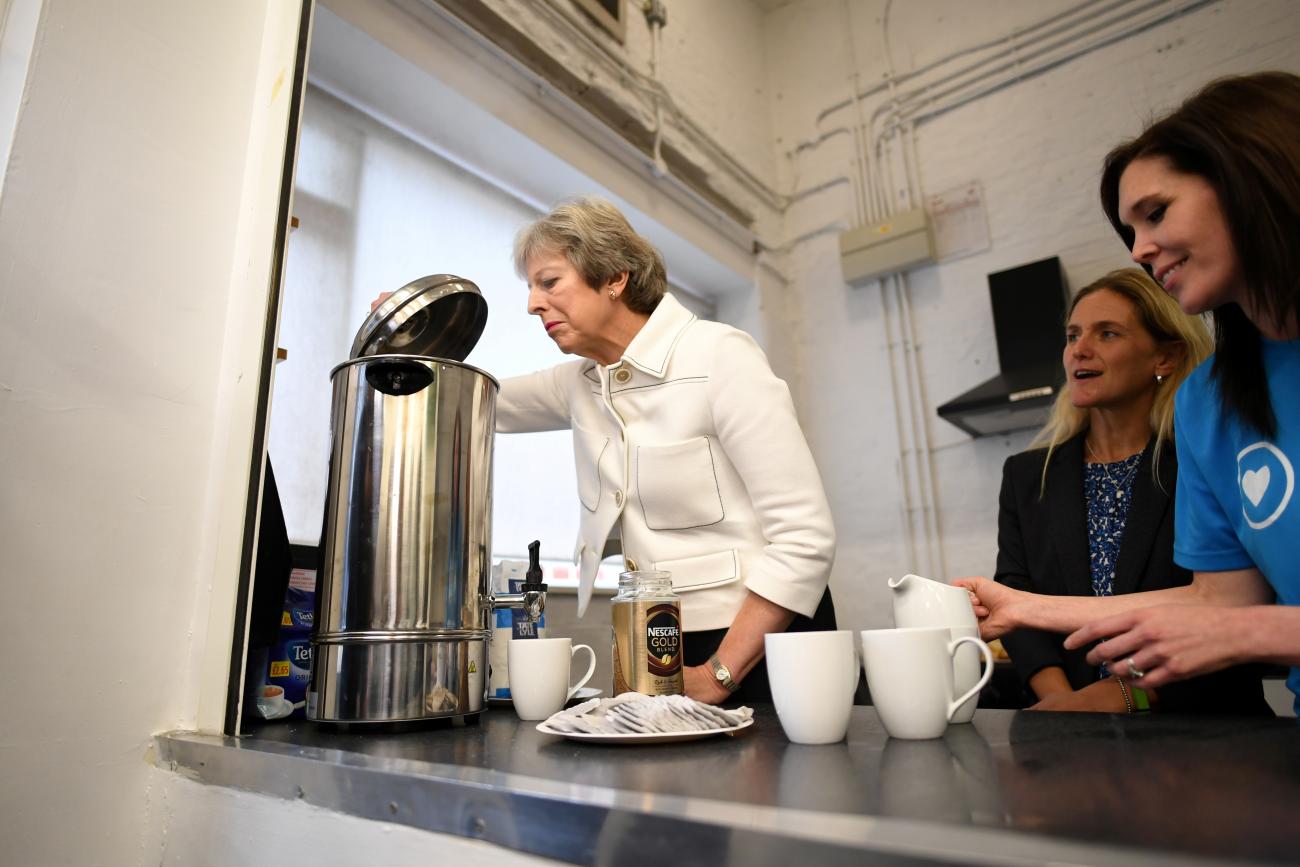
{"x":1043,"y":548}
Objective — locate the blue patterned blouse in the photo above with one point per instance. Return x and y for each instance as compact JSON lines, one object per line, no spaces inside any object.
{"x":1109,"y":489}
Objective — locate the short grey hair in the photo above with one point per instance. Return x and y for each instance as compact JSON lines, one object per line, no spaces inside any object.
{"x":600,"y":244}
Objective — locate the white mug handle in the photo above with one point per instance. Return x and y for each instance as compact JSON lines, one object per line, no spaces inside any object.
{"x":988,"y":670}
{"x":591,"y":669}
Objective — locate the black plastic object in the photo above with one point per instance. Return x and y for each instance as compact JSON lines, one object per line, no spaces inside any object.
{"x":439,"y":316}
{"x":1029,"y":314}
{"x":533,"y":578}
{"x":398,"y":376}
{"x":1029,"y":323}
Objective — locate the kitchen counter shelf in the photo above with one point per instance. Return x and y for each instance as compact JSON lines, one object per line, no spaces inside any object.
{"x":1011,"y":788}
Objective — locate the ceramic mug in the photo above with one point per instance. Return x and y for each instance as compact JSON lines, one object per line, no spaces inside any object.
{"x":965,"y":671}
{"x":812,"y":676}
{"x":539,"y":671}
{"x":910,"y":675}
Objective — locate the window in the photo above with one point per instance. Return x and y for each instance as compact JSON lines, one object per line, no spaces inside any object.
{"x":376,"y":210}
{"x":607,"y":13}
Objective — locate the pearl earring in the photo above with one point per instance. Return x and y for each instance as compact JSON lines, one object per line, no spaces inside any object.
{"x":1160,"y":378}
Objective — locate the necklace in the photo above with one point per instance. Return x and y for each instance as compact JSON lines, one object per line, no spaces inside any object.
{"x":1120,"y":485}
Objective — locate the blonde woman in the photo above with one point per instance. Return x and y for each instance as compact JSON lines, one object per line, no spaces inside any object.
{"x":1088,"y":511}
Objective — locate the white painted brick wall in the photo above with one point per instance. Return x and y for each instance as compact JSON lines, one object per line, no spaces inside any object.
{"x":1036,"y":148}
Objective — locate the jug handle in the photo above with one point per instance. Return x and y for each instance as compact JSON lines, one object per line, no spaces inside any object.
{"x":398,"y":377}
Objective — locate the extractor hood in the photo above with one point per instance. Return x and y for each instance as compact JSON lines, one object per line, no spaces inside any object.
{"x":1028,"y":321}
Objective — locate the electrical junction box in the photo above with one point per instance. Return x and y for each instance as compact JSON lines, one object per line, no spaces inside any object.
{"x":901,"y":242}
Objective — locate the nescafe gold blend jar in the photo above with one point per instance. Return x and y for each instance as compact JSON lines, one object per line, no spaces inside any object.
{"x":647,"y":635}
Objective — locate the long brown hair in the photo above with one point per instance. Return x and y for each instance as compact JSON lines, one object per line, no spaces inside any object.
{"x":1242,"y":135}
{"x":1167,"y":324}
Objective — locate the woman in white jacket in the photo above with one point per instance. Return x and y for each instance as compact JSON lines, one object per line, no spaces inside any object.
{"x":683,"y":437}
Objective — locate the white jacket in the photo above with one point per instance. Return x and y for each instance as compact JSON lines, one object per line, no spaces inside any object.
{"x":692,"y":442}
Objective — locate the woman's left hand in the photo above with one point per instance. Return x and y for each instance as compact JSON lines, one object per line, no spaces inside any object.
{"x":1160,"y":645}
{"x":701,"y":685}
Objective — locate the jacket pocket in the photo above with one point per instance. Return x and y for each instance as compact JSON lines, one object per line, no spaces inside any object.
{"x":707,"y":570}
{"x":678,"y":485}
{"x":588,"y":448}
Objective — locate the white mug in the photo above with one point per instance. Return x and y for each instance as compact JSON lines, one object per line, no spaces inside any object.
{"x":965,"y":671}
{"x":812,"y":676}
{"x":539,"y":675}
{"x":910,"y":675}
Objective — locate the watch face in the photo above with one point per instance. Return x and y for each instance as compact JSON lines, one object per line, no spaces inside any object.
{"x":720,"y":674}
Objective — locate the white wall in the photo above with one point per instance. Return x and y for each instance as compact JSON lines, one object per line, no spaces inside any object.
{"x":1035,"y":147}
{"x":136,"y":232}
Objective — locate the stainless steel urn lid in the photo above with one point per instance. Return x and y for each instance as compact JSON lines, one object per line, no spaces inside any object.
{"x":441,"y":316}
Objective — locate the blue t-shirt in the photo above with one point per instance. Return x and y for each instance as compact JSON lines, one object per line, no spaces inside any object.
{"x":1236,"y":505}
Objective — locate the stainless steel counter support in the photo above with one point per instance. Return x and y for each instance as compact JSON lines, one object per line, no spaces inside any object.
{"x":1012,"y":788}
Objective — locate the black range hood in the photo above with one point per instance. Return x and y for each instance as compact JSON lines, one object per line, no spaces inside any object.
{"x":1028,"y":320}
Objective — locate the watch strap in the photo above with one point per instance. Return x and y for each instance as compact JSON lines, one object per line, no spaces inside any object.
{"x":722,"y":674}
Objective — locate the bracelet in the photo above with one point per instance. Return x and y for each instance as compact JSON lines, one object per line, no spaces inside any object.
{"x":1123,"y":690}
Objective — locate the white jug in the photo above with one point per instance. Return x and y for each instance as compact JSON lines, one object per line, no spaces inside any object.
{"x":920,"y":602}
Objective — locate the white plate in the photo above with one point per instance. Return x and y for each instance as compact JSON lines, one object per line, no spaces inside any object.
{"x":581,"y":695}
{"x":648,"y":738}
{"x":279,"y":710}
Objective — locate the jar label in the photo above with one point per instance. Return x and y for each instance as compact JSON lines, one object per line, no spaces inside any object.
{"x":663,"y":640}
{"x":647,"y":647}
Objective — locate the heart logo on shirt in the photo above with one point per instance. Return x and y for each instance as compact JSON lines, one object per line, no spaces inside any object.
{"x":1267,"y":481}
{"x":1254,"y":484}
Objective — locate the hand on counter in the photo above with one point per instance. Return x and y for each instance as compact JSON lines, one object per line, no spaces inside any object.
{"x":701,"y":685}
{"x":1104,"y":696}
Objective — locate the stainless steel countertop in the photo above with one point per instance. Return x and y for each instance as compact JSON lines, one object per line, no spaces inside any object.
{"x":1010,"y":788}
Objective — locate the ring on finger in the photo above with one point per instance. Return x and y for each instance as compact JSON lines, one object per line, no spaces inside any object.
{"x":1133,"y":671}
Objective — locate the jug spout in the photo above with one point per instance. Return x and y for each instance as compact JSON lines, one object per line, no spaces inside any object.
{"x":901,"y":585}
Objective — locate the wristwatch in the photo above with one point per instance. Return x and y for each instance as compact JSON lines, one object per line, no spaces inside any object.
{"x":722,"y":674}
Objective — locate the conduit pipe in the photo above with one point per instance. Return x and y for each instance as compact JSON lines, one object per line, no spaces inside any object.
{"x":923,"y":104}
{"x":656,"y":22}
{"x":1014,"y":45}
{"x":956,"y":55}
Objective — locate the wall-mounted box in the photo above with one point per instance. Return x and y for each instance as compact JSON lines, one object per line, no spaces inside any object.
{"x":901,"y":242}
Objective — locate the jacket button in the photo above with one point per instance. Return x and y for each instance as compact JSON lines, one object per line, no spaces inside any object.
{"x":618,"y":498}
{"x":622,"y":375}
{"x":631,"y":564}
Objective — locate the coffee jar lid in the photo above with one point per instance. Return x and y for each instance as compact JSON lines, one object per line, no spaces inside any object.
{"x":441,"y":315}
